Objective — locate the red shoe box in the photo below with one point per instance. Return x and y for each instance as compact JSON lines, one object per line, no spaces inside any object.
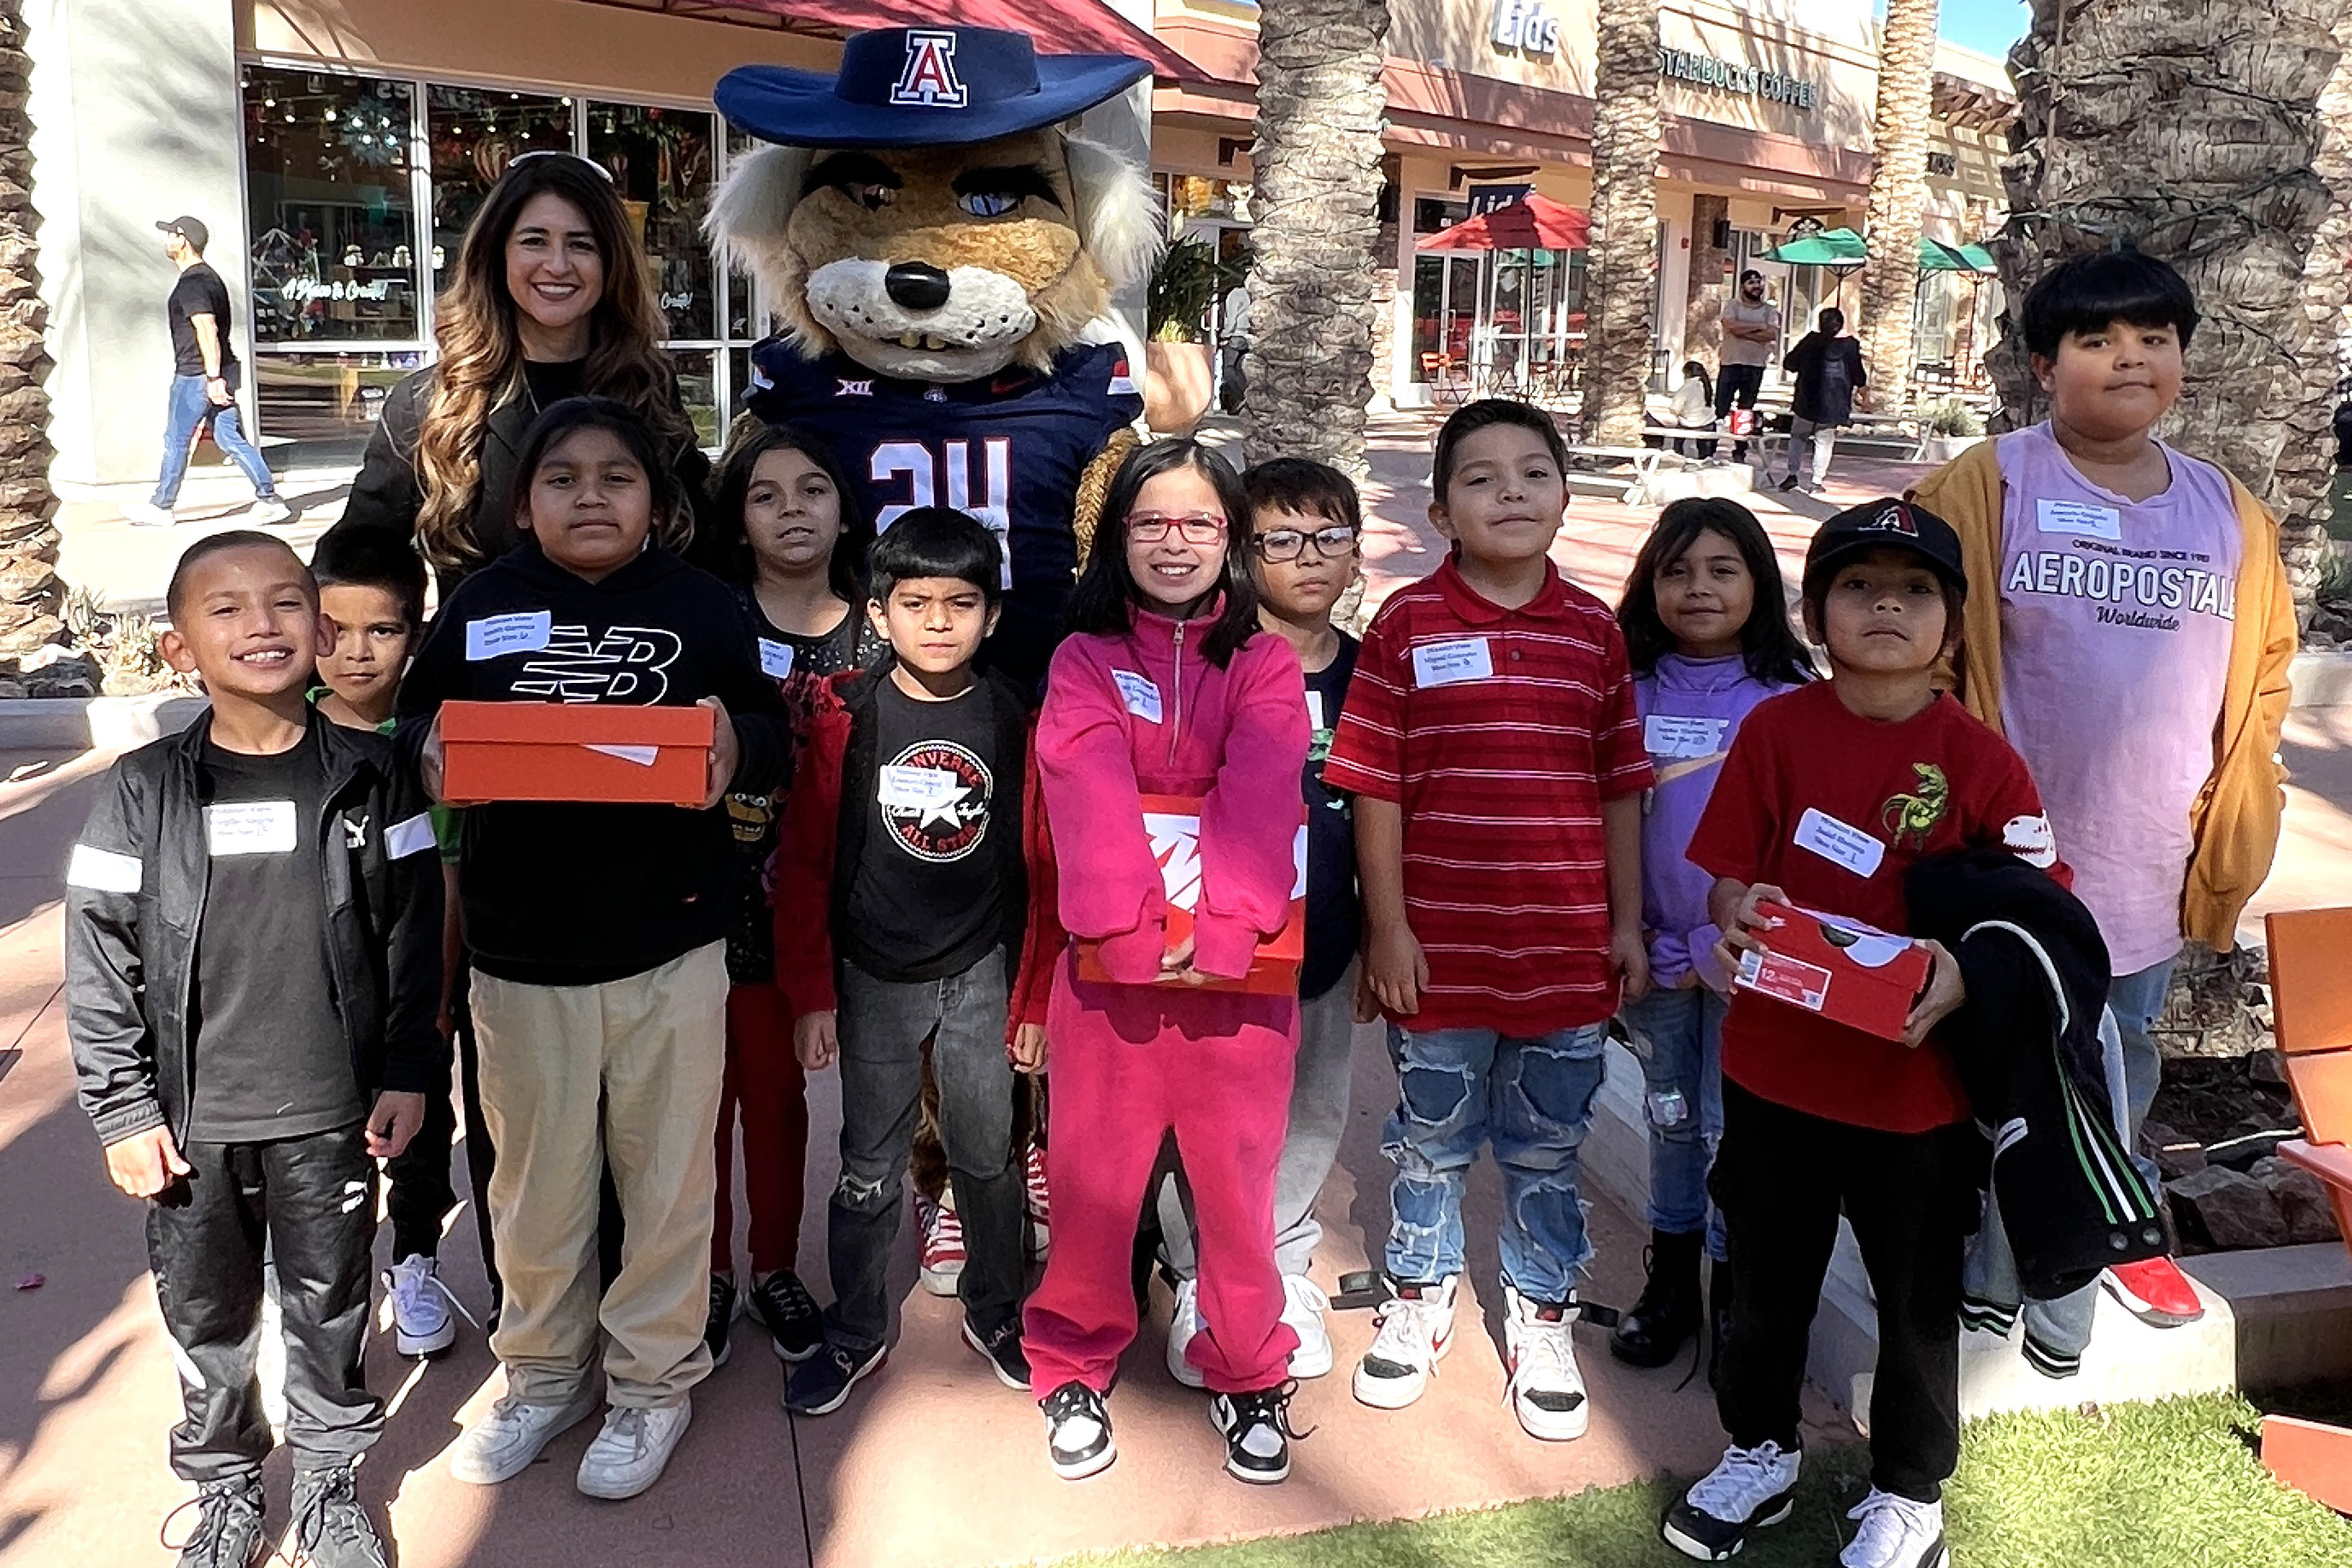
{"x":1174,"y":823}
{"x":1843,"y":970}
{"x":576,"y":752}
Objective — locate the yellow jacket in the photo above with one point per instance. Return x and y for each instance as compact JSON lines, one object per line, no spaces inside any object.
{"x":2234,"y":824}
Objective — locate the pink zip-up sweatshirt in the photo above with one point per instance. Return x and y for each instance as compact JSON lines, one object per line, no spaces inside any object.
{"x":1147,"y":714}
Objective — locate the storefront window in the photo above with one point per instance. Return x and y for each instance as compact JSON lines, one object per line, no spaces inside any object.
{"x":475,"y":134}
{"x":660,"y":161}
{"x":326,"y":396}
{"x":327,"y":194}
{"x":698,"y":389}
{"x":742,"y":314}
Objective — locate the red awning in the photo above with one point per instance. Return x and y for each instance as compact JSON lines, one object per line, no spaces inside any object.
{"x":1531,"y":223}
{"x":1054,"y":27}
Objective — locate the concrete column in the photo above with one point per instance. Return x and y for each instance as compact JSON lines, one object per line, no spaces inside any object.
{"x":135,"y":116}
{"x":1704,"y":295}
{"x":1673,"y":277}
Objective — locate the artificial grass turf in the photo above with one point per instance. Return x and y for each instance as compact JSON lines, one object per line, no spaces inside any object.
{"x":2170,"y":1485}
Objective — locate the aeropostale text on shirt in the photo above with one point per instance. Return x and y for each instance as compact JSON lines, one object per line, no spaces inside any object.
{"x":2144,"y":581}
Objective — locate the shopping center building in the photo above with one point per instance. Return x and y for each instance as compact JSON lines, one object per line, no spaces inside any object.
{"x":337,"y":148}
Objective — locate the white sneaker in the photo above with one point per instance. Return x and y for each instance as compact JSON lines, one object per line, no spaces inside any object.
{"x":422,"y":1323}
{"x":1547,"y":1389}
{"x":1416,"y":1329}
{"x":1748,"y":1490}
{"x":1302,"y":1308}
{"x":942,"y":1239}
{"x":1896,"y":1533}
{"x":503,"y":1444}
{"x":628,"y":1455}
{"x":147,"y":514}
{"x":268,"y":508}
{"x":1184,"y":1322}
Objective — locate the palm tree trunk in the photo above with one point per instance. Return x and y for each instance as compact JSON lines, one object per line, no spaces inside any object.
{"x":30,"y":593}
{"x":1898,"y":194}
{"x":2192,"y":130}
{"x":1312,"y":284}
{"x":1624,"y":261}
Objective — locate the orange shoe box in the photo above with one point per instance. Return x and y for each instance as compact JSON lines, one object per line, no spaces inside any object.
{"x":1174,"y":823}
{"x":1841,"y":969}
{"x":574,"y":750}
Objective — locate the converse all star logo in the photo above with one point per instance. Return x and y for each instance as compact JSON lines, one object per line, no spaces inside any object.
{"x":854,"y":389}
{"x":929,"y":78}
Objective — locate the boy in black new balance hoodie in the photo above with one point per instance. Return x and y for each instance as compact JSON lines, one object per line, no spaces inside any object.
{"x":253,"y":946}
{"x":598,"y":937}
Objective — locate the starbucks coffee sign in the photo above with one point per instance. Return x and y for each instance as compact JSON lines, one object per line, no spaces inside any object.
{"x":1706,"y":71}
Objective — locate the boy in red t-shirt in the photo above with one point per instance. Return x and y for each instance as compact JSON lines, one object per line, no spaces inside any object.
{"x":1831,"y":793}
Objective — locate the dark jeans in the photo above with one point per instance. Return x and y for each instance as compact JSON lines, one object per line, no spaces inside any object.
{"x":309,"y":1200}
{"x":883,"y":1025}
{"x":1736,"y":383}
{"x":1780,"y":1179}
{"x":189,"y":410}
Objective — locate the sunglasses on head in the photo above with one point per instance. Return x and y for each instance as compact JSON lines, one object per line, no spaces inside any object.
{"x":602,"y":173}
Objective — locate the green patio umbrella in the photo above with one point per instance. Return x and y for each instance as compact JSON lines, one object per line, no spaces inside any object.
{"x":1839,"y":249}
{"x":1935,"y":256}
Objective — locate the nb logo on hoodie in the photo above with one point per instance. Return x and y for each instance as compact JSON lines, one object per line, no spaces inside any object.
{"x":621,"y":664}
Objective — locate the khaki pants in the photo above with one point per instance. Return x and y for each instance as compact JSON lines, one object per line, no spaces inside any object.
{"x":652,"y":1050}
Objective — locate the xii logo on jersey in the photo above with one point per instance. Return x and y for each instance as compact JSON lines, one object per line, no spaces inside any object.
{"x":625,"y":664}
{"x":930,"y":78}
{"x":853,"y":388}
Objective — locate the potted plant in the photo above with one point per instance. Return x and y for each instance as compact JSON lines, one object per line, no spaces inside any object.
{"x":1179,"y":373}
{"x":1950,"y":428}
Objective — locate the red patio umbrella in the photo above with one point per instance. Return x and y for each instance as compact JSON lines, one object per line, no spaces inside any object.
{"x":1531,"y":223}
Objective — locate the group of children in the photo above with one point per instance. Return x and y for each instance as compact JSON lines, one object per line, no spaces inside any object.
{"x":1513,"y":820}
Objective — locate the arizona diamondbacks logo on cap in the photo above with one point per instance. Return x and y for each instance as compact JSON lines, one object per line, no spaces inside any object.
{"x":1893,"y":520}
{"x":929,"y":78}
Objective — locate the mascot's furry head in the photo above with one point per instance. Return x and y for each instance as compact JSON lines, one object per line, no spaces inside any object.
{"x":928,"y":212}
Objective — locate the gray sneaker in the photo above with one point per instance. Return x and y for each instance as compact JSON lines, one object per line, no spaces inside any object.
{"x":503,"y":1444}
{"x":330,"y":1528}
{"x":228,"y":1526}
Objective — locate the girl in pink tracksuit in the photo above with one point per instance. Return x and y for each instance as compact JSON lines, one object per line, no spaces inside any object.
{"x":1167,"y":687}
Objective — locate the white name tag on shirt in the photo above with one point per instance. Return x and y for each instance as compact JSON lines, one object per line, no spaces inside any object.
{"x":1449,"y":663}
{"x":913,"y":789}
{"x":1315,"y":710}
{"x":2080,"y":519}
{"x":775,"y":657}
{"x":1141,"y":693}
{"x":1670,"y":735}
{"x":526,"y":632}
{"x":250,"y":827}
{"x":1835,"y":841}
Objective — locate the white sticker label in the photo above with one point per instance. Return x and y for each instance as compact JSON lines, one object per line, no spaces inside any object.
{"x":102,"y":870}
{"x":413,"y":836}
{"x":250,"y":827}
{"x":1142,"y":697}
{"x":916,"y":789}
{"x":1669,"y":735}
{"x":643,"y":756}
{"x":775,"y":657}
{"x":1835,"y":841}
{"x":527,"y":632}
{"x":1315,"y":710}
{"x":1446,"y":663}
{"x":2081,"y":519}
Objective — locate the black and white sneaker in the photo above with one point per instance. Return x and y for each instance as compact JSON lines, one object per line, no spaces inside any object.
{"x":1078,"y":1432}
{"x":795,"y":1326}
{"x":1895,"y":1532}
{"x":722,"y":1320}
{"x":1749,"y":1488}
{"x":1257,"y":1433}
{"x":821,"y":1384}
{"x":1000,"y":1347}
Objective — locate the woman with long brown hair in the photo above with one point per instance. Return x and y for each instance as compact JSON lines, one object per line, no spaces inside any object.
{"x":553,"y":299}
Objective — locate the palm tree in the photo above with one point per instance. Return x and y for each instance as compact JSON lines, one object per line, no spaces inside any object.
{"x":30,"y":593}
{"x":1898,"y":194}
{"x":1624,"y":259}
{"x":2194,"y":131}
{"x":1315,"y":164}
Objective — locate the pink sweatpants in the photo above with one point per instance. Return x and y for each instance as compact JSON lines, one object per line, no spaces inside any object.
{"x":1130,"y":1062}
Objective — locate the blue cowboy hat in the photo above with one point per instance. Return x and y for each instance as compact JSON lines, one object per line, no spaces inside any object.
{"x":915,"y":87}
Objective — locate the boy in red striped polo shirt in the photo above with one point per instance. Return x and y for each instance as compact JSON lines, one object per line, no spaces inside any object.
{"x":1491,"y":744}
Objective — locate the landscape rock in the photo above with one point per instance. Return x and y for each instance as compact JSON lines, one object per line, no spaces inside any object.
{"x":2226,"y":1209}
{"x":2218,"y":1005}
{"x":2301,"y":1198}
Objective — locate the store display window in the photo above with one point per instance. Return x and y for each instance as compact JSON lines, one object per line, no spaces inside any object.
{"x":329,"y":207}
{"x":660,"y":161}
{"x":474,"y":134}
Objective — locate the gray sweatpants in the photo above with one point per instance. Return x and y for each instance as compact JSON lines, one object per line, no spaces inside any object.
{"x":1319,"y":1114}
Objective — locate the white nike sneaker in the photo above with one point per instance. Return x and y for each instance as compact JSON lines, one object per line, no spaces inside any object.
{"x":1184,"y":1322}
{"x":1896,"y":1533}
{"x":268,"y":508}
{"x":1416,"y":1329}
{"x":1748,"y":1490}
{"x":422,"y":1323}
{"x":147,"y":514}
{"x":1546,"y":1387}
{"x":503,"y":1444}
{"x":1302,"y":1308}
{"x":630,"y":1453}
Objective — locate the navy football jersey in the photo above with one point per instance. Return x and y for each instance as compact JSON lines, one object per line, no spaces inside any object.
{"x":1010,"y":450}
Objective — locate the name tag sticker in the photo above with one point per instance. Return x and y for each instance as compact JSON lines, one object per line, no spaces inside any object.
{"x":2083,"y":520}
{"x":526,"y":632}
{"x":1141,"y":694}
{"x":1448,"y":663}
{"x":1668,"y":735}
{"x":643,"y":756}
{"x":250,"y":827}
{"x":1836,"y":842}
{"x":1315,"y":711}
{"x":914,"y":789}
{"x":775,"y":658}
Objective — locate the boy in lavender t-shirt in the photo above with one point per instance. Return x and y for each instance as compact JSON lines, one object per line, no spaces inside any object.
{"x":2135,"y":655}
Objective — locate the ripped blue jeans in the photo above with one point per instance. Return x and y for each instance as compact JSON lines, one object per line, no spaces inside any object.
{"x":1458,"y":1089}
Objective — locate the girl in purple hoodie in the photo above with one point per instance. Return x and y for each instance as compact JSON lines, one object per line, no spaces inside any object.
{"x":1708,"y":633}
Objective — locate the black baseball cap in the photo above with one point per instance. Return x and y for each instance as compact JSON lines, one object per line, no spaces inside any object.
{"x":191,"y":229}
{"x":1751,"y":276}
{"x":1889,"y":522}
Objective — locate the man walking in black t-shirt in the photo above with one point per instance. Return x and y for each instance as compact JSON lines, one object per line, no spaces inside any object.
{"x":204,"y":383}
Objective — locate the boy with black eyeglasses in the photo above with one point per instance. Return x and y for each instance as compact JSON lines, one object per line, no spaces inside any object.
{"x":1305,"y":524}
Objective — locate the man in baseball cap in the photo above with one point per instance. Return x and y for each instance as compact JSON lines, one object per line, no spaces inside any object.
{"x":191,"y":229}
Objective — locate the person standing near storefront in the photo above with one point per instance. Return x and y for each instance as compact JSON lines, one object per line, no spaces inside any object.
{"x":204,"y":383}
{"x":1751,"y":337}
